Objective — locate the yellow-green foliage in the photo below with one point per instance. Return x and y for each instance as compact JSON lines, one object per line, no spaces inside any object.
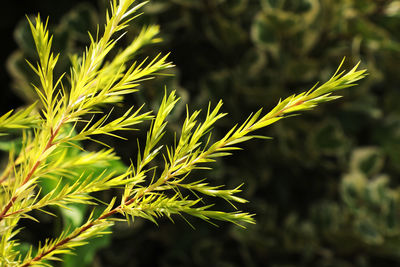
{"x":60,"y":121}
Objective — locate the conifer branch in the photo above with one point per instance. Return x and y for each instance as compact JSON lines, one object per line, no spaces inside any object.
{"x":150,"y":203}
{"x":58,"y":112}
{"x":148,"y":192}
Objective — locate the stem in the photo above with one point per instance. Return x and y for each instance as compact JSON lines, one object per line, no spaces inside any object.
{"x":77,"y":233}
{"x":12,"y":165}
{"x":49,"y":144}
{"x":59,"y":244}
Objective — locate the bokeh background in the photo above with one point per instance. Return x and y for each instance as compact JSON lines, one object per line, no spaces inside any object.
{"x":325,"y":189}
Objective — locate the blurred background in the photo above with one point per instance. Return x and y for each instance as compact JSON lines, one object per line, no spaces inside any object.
{"x":325,"y":189}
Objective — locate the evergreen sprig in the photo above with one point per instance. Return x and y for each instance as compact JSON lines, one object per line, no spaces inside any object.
{"x":148,"y":192}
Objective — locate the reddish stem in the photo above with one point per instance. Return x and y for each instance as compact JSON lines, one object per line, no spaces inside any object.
{"x":31,"y":172}
{"x":83,"y":229}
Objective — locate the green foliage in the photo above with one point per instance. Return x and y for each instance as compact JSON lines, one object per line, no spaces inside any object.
{"x":52,"y":168}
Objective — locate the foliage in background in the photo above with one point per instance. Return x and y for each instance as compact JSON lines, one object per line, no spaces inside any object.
{"x":48,"y":165}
